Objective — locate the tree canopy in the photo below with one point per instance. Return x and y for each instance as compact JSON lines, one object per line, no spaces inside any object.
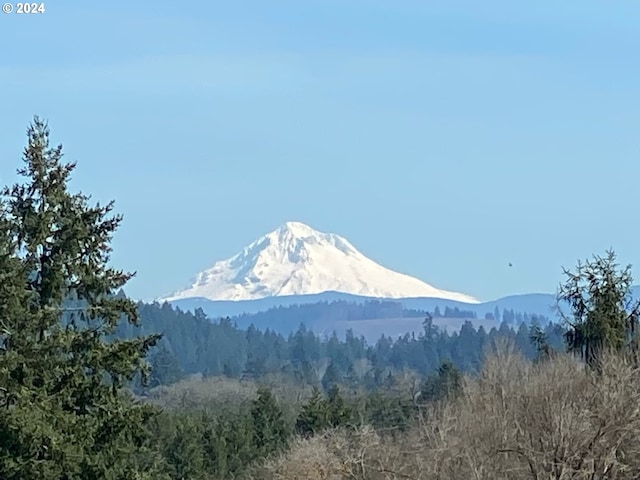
{"x":63,"y":411}
{"x":603,"y":314}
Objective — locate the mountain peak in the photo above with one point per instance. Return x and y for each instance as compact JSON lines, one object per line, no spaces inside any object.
{"x":297,"y":236}
{"x":296,"y":259}
{"x":298,"y":229}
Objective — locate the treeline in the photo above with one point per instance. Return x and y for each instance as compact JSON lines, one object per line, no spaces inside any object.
{"x":280,"y":319}
{"x":192,"y":344}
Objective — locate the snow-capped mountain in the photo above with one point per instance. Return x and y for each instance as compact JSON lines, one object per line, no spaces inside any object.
{"x":295,"y":259}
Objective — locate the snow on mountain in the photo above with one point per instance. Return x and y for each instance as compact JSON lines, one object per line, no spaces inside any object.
{"x":295,"y":259}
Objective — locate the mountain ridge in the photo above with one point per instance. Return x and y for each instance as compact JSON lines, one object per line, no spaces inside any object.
{"x":540,"y":304}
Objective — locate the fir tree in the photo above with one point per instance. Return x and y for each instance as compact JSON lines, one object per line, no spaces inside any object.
{"x":314,"y":416}
{"x":270,"y":432}
{"x":331,"y":377}
{"x":339,"y":412}
{"x":447,"y":383}
{"x":165,"y":368}
{"x":603,"y":314}
{"x":185,"y":450}
{"x":63,"y":412}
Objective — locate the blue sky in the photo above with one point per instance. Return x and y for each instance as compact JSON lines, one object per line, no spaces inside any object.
{"x":444,"y":139}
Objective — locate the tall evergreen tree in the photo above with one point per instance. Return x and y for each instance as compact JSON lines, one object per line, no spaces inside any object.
{"x":270,"y":432}
{"x":63,"y":414}
{"x":314,"y":415}
{"x":165,"y":368}
{"x":331,"y":376}
{"x":447,"y":383}
{"x":603,"y":314}
{"x":339,"y":412}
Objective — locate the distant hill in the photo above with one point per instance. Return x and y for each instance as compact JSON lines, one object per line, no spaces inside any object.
{"x":321,"y":314}
{"x":536,"y":303}
{"x":370,"y":317}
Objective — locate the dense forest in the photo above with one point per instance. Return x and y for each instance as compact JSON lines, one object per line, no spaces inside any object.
{"x":278,"y":317}
{"x":319,"y":315}
{"x":95,"y":386}
{"x":193,"y":344}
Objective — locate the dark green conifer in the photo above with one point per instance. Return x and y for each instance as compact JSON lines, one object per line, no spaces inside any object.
{"x":165,"y":368}
{"x":603,"y":315}
{"x":445,"y":384}
{"x":331,"y":376}
{"x":339,"y":412}
{"x":269,"y":427}
{"x":314,"y":415}
{"x":63,"y":412}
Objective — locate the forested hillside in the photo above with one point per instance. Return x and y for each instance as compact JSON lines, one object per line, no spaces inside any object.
{"x":192,"y":344}
{"x":280,"y":319}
